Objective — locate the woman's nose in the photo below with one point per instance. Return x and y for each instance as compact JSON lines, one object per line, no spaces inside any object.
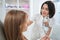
{"x":29,"y":22}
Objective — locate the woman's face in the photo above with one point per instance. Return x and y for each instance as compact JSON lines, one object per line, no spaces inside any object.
{"x":45,"y":10}
{"x":26,"y":24}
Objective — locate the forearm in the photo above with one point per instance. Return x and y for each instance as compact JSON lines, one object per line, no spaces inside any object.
{"x":49,"y":31}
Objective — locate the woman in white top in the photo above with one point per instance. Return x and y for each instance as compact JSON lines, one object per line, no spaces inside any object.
{"x":44,"y":22}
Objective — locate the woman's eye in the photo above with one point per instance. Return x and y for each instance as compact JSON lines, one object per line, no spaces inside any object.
{"x":42,"y":8}
{"x":47,"y":9}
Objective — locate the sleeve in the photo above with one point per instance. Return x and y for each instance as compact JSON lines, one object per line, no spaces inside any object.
{"x":42,"y":34}
{"x":51,"y":23}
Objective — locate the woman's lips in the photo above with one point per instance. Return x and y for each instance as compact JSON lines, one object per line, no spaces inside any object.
{"x":44,"y":13}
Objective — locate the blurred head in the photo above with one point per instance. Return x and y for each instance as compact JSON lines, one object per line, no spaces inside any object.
{"x":48,"y":9}
{"x":15,"y":23}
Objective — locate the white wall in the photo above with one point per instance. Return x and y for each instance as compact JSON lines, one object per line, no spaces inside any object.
{"x":2,"y":12}
{"x":56,"y":28}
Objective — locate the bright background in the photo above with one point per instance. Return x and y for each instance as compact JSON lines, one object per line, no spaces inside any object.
{"x":32,"y":7}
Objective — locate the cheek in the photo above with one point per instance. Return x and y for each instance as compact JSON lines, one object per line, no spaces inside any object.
{"x":45,"y":13}
{"x":26,"y":25}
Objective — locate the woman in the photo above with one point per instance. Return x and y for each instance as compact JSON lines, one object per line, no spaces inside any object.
{"x":47,"y":12}
{"x":44,"y":22}
{"x":16,"y":22}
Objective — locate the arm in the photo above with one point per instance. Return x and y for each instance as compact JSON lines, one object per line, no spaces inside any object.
{"x":45,"y":38}
{"x":49,"y":28}
{"x":49,"y":31}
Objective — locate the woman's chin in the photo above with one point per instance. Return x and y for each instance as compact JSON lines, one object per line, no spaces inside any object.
{"x":25,"y":30}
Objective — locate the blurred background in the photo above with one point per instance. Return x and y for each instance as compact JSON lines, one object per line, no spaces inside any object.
{"x":32,"y":7}
{"x":6,"y":5}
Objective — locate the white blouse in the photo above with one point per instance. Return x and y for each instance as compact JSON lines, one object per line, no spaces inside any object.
{"x":36,"y":32}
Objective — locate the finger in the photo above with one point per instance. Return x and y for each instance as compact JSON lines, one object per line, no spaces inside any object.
{"x":48,"y":38}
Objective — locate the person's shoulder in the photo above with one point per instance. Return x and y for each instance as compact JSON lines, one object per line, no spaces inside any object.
{"x":2,"y":35}
{"x":52,"y":19}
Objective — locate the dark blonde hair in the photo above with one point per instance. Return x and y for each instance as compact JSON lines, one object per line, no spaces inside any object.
{"x":12,"y":24}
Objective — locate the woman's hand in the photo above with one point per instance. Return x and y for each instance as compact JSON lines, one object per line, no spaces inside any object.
{"x":45,"y":38}
{"x":49,"y":28}
{"x":46,"y":24}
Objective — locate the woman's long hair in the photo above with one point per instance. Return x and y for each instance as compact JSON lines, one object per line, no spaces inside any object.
{"x":12,"y":24}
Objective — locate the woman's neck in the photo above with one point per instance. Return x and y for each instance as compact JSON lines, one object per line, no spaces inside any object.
{"x":22,"y":37}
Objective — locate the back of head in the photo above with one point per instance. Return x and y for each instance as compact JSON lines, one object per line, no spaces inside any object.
{"x":13,"y":20}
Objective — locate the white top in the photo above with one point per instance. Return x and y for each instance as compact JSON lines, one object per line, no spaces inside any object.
{"x":36,"y":29}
